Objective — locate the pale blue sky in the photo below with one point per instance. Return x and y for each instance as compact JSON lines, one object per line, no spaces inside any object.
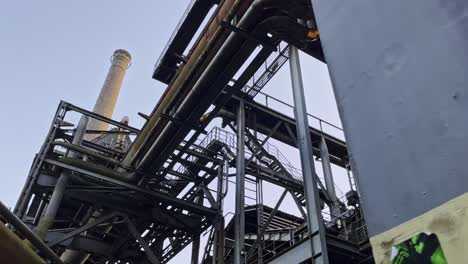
{"x":60,"y":50}
{"x":54,"y":50}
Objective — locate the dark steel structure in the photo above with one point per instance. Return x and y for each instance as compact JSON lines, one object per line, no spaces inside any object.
{"x":143,"y":195}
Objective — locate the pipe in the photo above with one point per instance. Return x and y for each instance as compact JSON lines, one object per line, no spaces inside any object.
{"x":204,"y":51}
{"x":14,"y":249}
{"x":93,"y":167}
{"x":327,"y":171}
{"x":85,"y":151}
{"x":56,"y":199}
{"x":257,"y":6}
{"x":28,"y":234}
{"x":200,"y":90}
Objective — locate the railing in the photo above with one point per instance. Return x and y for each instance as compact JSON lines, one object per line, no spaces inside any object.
{"x":315,"y":122}
{"x":174,"y":33}
{"x":218,"y":134}
{"x":119,"y":140}
{"x":272,"y":65}
{"x":273,"y":150}
{"x":230,"y":140}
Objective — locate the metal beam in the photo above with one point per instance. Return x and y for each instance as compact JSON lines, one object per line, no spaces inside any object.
{"x":267,"y":223}
{"x":28,"y":234}
{"x":93,"y":115}
{"x":196,"y":237}
{"x":298,"y":254}
{"x":158,"y":195}
{"x":267,"y":118}
{"x":298,"y":204}
{"x":208,"y":196}
{"x":239,"y":223}
{"x":82,"y":229}
{"x":55,"y":201}
{"x":149,"y":253}
{"x":272,"y":132}
{"x":26,"y":193}
{"x":314,"y":217}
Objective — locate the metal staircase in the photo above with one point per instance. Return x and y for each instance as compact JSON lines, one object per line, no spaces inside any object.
{"x":271,"y":66}
{"x":263,"y":160}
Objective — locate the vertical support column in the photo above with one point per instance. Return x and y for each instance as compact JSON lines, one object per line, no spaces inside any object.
{"x":259,"y":220}
{"x":218,"y":242}
{"x":26,"y":192}
{"x":196,"y":239}
{"x":329,"y":181}
{"x":56,"y":199}
{"x":239,"y":227}
{"x":314,"y":218}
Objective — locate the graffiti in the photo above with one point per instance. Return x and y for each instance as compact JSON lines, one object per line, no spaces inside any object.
{"x":423,"y":248}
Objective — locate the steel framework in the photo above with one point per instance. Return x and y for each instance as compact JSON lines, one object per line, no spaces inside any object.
{"x":142,"y":196}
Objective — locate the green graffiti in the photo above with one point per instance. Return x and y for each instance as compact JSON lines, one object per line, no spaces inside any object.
{"x":420,"y":249}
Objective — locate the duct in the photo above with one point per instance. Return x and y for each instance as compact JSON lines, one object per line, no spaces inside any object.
{"x":207,"y":89}
{"x":288,"y":30}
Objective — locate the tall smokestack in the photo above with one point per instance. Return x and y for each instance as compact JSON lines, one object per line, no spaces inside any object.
{"x":107,"y":99}
{"x":104,"y":106}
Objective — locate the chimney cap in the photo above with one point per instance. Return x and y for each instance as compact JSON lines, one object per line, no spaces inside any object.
{"x":122,"y":52}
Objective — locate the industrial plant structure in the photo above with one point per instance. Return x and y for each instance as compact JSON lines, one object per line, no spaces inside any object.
{"x":101,"y":191}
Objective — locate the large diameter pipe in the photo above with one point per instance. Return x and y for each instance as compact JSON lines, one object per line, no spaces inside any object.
{"x":12,"y":248}
{"x":205,"y":88}
{"x":251,"y":18}
{"x":199,"y":56}
{"x":110,"y":90}
{"x":20,"y":246}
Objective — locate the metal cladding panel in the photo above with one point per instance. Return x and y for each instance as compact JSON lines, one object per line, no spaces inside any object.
{"x":400,"y":75}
